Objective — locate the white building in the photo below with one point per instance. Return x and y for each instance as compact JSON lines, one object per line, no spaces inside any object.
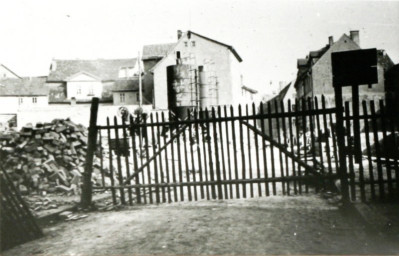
{"x":18,"y":94}
{"x":219,"y":61}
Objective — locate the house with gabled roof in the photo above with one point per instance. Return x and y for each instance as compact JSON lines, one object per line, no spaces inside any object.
{"x":219,"y":61}
{"x":81,"y":80}
{"x":314,"y":77}
{"x":22,"y":93}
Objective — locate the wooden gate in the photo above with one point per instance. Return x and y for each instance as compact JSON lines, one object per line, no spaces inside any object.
{"x":221,"y":153}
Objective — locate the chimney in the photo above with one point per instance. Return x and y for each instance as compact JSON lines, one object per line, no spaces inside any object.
{"x":355,"y":36}
{"x":53,"y":66}
{"x":179,"y":34}
{"x":330,"y":40}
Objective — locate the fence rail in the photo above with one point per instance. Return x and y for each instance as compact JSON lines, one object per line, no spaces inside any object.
{"x":269,"y":149}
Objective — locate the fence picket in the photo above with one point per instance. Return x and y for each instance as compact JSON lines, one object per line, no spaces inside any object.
{"x":292,"y":145}
{"x":126,"y":147}
{"x":273,"y":169}
{"x":199,"y":158}
{"x":242,"y":149}
{"x":135,"y":161}
{"x":285,"y":142}
{"x":249,"y":154}
{"x":118,"y":162}
{"x":111,"y":169}
{"x":298,"y":144}
{"x":222,"y":147}
{"x":368,"y":148}
{"x":233,"y":133}
{"x":158,"y":146}
{"x":226,"y":124}
{"x":257,"y":153}
{"x":191,"y":141}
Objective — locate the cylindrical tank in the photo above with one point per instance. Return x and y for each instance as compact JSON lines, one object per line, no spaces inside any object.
{"x":181,"y":90}
{"x":204,"y":89}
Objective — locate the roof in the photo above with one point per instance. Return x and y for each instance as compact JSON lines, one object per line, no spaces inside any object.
{"x":106,"y":69}
{"x":233,"y":51}
{"x":249,"y":89}
{"x":26,"y":86}
{"x":10,"y":70}
{"x":156,"y":51}
{"x":126,"y":85}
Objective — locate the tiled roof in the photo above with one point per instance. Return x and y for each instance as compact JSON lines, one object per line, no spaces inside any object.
{"x":156,"y":51}
{"x":126,"y":85}
{"x":34,"y":86}
{"x":106,"y":69}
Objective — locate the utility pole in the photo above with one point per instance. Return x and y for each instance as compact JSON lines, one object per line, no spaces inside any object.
{"x":140,"y":93}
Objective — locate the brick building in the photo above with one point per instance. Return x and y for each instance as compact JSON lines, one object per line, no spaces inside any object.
{"x":314,"y":77}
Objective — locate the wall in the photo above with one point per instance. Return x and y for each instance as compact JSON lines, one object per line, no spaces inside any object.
{"x":130,"y":98}
{"x":79,"y":113}
{"x":89,"y":87}
{"x":11,"y":104}
{"x":204,"y":52}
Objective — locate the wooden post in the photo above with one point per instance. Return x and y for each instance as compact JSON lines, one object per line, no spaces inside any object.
{"x":356,"y":124}
{"x":341,"y":144}
{"x":91,"y":147}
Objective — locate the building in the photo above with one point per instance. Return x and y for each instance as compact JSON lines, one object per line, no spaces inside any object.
{"x":126,"y":92}
{"x":80,"y":80}
{"x":218,"y":62}
{"x":17,"y":94}
{"x":314,"y":77}
{"x":6,"y":73}
{"x":392,"y":89}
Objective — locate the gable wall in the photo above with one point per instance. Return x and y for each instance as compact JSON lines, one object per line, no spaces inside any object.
{"x":204,"y":51}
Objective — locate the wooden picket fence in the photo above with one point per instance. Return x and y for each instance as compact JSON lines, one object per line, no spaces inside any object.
{"x":221,"y":153}
{"x":372,"y":150}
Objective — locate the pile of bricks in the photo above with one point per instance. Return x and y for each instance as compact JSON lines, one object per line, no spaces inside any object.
{"x":46,"y":158}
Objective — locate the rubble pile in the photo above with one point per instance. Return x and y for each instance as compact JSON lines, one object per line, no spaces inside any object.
{"x":46,"y":158}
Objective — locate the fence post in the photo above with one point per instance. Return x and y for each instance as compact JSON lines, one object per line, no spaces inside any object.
{"x":341,"y":144}
{"x":91,"y":147}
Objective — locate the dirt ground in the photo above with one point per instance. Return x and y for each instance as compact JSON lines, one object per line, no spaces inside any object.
{"x":273,"y":225}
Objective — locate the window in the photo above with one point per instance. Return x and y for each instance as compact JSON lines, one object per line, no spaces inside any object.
{"x":91,"y":91}
{"x":79,"y":90}
{"x":21,"y":100}
{"x":193,"y":43}
{"x":122,"y":97}
{"x":34,"y":100}
{"x":177,"y":55}
{"x":185,"y":43}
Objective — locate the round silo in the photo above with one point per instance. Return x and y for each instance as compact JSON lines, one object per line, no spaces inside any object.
{"x":204,"y":90}
{"x":181,"y":90}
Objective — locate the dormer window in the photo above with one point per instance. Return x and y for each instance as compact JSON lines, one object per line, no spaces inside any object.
{"x":125,"y":72}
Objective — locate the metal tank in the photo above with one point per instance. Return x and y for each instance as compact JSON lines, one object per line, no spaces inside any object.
{"x":182,"y":92}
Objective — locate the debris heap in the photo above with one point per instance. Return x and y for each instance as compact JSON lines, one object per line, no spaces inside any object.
{"x":47,"y":157}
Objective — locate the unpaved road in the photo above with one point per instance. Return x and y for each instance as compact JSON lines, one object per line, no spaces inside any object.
{"x":273,"y":225}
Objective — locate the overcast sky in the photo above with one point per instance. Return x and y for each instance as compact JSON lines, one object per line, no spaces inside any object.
{"x":269,"y":35}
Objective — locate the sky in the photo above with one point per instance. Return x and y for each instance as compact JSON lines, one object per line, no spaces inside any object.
{"x":269,"y":35}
